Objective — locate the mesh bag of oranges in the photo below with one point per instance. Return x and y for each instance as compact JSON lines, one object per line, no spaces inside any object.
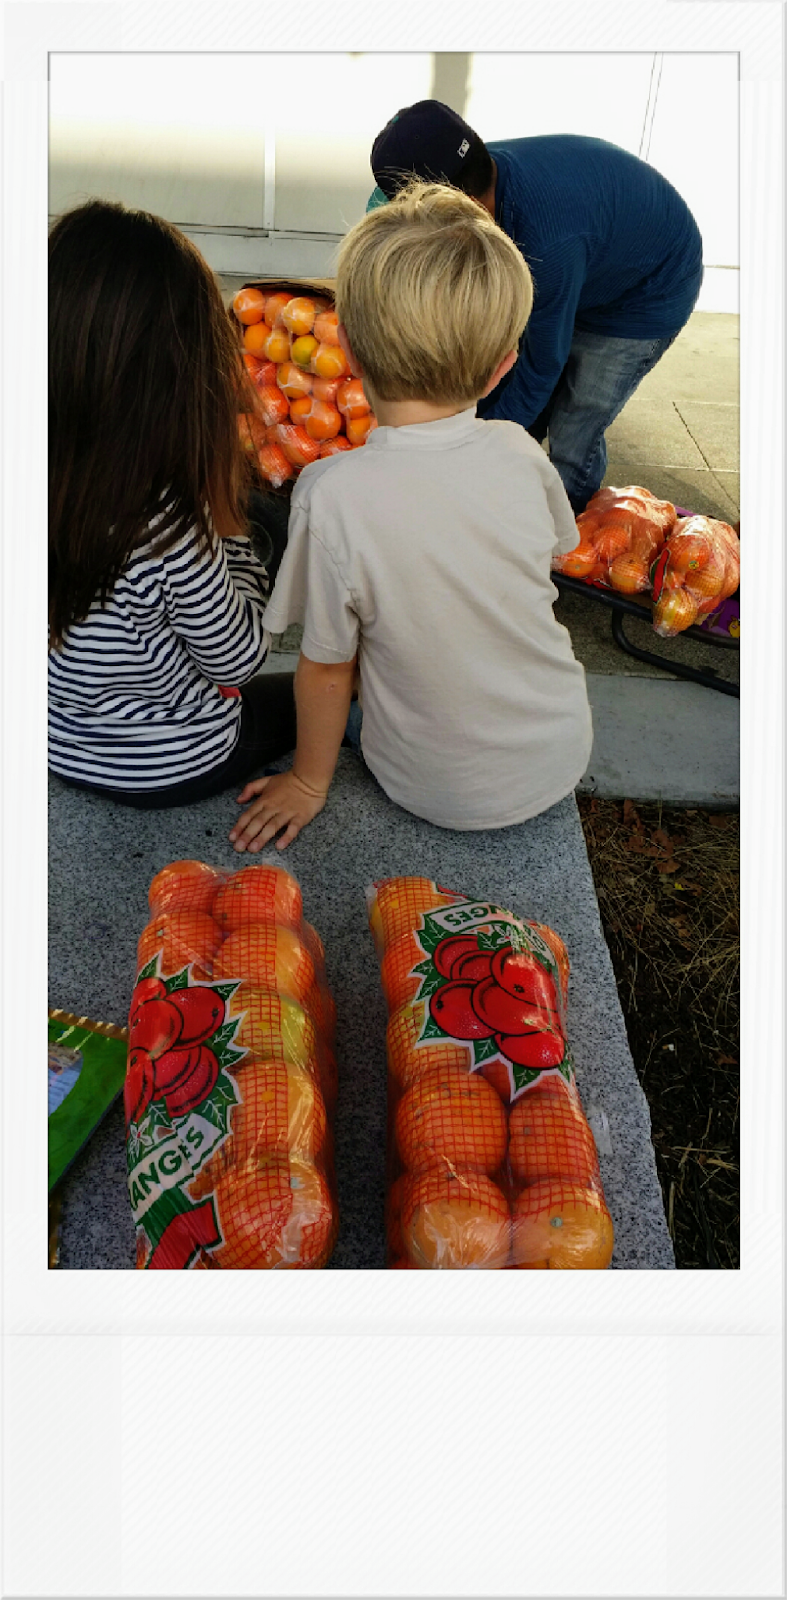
{"x":697,"y":570}
{"x":492,"y":1163}
{"x":230,"y":1077}
{"x":301,"y":400}
{"x":621,"y":532}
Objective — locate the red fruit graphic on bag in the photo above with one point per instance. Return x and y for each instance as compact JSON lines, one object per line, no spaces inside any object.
{"x":502,"y":1013}
{"x":155,"y":1026}
{"x":522,"y":976}
{"x":449,"y":950}
{"x":201,"y":1011}
{"x":452,"y":1009}
{"x":187,"y":1233}
{"x":138,"y":1086}
{"x":173,"y":1068}
{"x":535,"y":1050}
{"x":148,"y":989}
{"x":474,"y":966}
{"x":194,"y":1088}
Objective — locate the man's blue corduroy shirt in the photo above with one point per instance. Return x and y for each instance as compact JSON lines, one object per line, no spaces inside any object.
{"x":612,"y":247}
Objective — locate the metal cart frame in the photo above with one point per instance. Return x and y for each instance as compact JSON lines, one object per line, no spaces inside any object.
{"x":621,"y":606}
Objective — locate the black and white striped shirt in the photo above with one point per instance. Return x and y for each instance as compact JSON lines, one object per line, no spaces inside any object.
{"x":134,"y":696}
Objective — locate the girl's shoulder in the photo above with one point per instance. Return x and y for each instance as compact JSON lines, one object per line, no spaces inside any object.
{"x":157,"y":553}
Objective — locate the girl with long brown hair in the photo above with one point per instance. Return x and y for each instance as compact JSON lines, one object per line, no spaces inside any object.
{"x":155,"y":592}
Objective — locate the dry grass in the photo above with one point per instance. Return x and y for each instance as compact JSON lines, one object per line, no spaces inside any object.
{"x":667,"y":887}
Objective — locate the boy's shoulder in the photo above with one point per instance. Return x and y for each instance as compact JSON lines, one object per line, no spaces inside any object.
{"x":335,"y":481}
{"x":339,"y":468}
{"x":339,"y":478}
{"x":511,"y":440}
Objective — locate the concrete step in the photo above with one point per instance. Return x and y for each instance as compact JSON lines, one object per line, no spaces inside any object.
{"x":657,"y":739}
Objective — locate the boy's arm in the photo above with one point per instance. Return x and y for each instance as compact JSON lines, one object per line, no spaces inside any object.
{"x":290,"y":800}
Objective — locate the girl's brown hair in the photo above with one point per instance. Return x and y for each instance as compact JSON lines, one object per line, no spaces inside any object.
{"x":145,"y":374}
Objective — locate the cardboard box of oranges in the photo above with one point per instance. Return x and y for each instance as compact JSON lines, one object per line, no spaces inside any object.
{"x":230,"y":1078}
{"x":302,"y":401}
{"x":492,"y":1163}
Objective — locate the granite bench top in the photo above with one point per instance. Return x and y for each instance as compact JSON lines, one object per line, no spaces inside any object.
{"x":102,"y":857}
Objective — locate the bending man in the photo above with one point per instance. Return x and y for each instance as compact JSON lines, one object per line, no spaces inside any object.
{"x":616,"y":259}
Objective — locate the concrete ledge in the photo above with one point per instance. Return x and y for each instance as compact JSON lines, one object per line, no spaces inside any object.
{"x":102,"y":858}
{"x":657,"y":739}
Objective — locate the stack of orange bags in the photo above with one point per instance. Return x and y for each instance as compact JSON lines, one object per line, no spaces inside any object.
{"x":231,"y":1077}
{"x":304,"y":401}
{"x":635,"y":544}
{"x":492,"y":1163}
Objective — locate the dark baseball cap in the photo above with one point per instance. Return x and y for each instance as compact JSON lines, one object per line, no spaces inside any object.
{"x":428,"y":139}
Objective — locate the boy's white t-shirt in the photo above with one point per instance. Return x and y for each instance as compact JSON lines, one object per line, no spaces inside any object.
{"x":428,"y":551}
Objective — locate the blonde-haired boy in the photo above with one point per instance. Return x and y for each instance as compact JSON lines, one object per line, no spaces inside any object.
{"x":424,"y":558}
{"x":433,"y":297}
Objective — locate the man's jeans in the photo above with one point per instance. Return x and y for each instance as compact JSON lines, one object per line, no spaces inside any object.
{"x":352,"y":732}
{"x":599,"y":377}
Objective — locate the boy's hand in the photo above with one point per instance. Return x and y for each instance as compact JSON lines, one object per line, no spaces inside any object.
{"x":285,"y":802}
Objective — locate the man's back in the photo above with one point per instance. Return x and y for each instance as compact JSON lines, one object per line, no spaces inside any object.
{"x":599,"y":214}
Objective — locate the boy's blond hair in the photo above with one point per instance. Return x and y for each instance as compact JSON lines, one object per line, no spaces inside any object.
{"x":433,"y":295}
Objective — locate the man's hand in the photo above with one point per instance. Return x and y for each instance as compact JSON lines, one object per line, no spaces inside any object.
{"x":285,"y":802}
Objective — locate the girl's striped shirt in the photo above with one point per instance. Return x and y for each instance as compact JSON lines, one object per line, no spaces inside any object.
{"x":135,"y":700}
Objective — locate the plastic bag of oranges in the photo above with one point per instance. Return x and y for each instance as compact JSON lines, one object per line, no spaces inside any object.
{"x":491,"y":1161}
{"x":230,"y":1078}
{"x":697,"y":570}
{"x":621,"y":532}
{"x":301,"y":402}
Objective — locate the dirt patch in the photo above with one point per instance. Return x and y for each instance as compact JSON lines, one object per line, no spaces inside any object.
{"x":667,"y":887}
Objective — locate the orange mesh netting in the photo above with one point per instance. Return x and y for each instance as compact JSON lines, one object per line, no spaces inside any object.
{"x":492,"y":1163}
{"x":271,"y":956}
{"x":230,"y":1076}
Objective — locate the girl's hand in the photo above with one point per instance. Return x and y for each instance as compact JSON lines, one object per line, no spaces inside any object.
{"x":285,"y":802}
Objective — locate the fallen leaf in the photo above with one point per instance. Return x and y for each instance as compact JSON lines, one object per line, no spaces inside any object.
{"x":668,"y":866}
{"x":640,"y":848}
{"x":631,"y":814}
{"x":664,"y":840}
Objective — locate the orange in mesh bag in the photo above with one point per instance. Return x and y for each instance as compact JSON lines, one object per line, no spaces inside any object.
{"x":698,"y":568}
{"x":621,"y":531}
{"x":230,"y":1077}
{"x":291,"y":354}
{"x":490,"y":1155}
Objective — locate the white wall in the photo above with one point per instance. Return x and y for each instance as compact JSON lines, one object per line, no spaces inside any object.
{"x":264,"y":158}
{"x":694,"y":142}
